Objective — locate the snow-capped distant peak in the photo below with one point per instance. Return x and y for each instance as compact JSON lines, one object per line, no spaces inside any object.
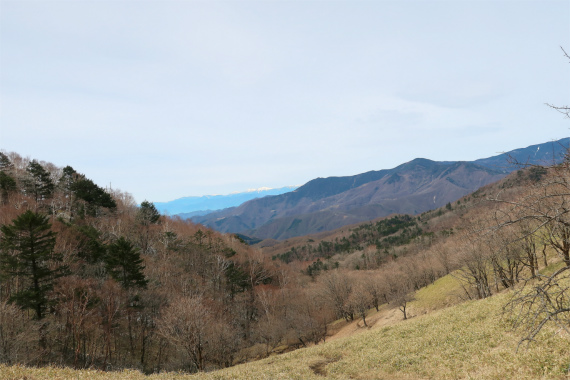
{"x":252,"y":190}
{"x":258,"y":190}
{"x":209,"y":203}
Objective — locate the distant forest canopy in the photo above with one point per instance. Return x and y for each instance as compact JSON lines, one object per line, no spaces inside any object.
{"x":88,"y":279}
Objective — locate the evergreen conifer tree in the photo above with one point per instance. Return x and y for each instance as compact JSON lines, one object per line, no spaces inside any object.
{"x":125,"y":265}
{"x":39,"y":183}
{"x":148,"y":214}
{"x":94,"y":195}
{"x":27,"y":251}
{"x":78,"y":188}
{"x":5,"y":163}
{"x":7,"y":186}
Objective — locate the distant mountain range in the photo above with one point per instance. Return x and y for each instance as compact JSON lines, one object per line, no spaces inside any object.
{"x":325,"y":204}
{"x":201,"y":205}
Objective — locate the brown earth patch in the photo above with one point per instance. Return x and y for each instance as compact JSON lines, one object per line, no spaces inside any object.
{"x":319,"y":368}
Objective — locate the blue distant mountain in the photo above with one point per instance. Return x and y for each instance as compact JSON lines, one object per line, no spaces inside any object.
{"x":545,"y":154}
{"x":201,"y":205}
{"x":325,"y":204}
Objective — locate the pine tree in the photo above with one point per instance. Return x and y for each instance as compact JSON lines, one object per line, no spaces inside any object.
{"x":39,"y":183}
{"x":94,"y":195}
{"x":65,"y":183}
{"x":79,"y":188}
{"x":148,"y":214}
{"x":125,"y":265}
{"x":7,"y":186}
{"x":5,"y":163}
{"x":27,"y":251}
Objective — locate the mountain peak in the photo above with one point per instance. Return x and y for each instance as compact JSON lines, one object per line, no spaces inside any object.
{"x":413,"y":187}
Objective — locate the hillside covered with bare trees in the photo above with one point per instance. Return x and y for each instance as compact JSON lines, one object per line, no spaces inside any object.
{"x":89,"y":279}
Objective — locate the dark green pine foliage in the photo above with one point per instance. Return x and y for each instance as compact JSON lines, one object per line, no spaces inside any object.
{"x":39,"y":183}
{"x":125,"y":265}
{"x":7,"y":182}
{"x":68,"y":177}
{"x":88,"y":191}
{"x":237,"y":280}
{"x":65,"y":184}
{"x":84,"y":189}
{"x":5,"y":163}
{"x":90,"y":247}
{"x":27,"y":252}
{"x":7,"y":186}
{"x":148,"y":214}
{"x":93,"y":195}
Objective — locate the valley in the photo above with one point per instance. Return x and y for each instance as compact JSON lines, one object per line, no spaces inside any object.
{"x":265,"y":190}
{"x":450,"y":292}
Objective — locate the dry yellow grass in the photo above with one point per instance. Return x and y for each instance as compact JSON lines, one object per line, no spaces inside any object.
{"x":444,"y":292}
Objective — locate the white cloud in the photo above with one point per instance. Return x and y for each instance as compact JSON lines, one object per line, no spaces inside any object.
{"x":168,"y":99}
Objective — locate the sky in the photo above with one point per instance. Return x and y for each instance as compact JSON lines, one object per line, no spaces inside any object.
{"x":166,"y":99}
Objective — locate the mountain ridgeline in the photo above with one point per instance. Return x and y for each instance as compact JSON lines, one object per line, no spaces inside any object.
{"x":324,"y":204}
{"x":188,"y":207}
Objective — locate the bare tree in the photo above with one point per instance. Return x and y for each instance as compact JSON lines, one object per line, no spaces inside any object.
{"x":76,"y":309}
{"x":271,"y":330}
{"x":336,"y":289}
{"x":443,"y":254}
{"x":400,"y":287}
{"x":185,"y":322}
{"x":17,"y":335}
{"x":376,"y":288}
{"x":565,"y":110}
{"x":308,"y":315}
{"x":539,"y":303}
{"x":546,"y":208}
{"x":474,"y":273}
{"x":360,"y":299}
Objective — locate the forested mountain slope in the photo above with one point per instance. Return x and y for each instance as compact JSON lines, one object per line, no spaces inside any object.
{"x":426,"y":310}
{"x":327,"y":203}
{"x":126,"y":288}
{"x":91,"y":280}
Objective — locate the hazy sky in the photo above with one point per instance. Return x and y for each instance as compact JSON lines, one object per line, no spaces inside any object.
{"x":166,"y":99}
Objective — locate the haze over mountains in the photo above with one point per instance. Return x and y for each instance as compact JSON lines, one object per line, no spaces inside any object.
{"x":187,"y":207}
{"x":325,"y":204}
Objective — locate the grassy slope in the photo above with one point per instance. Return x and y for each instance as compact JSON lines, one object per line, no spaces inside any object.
{"x":466,"y":341}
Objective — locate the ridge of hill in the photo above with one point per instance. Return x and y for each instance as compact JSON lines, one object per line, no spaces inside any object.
{"x":546,"y":154}
{"x":325,"y":204}
{"x":187,"y":207}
